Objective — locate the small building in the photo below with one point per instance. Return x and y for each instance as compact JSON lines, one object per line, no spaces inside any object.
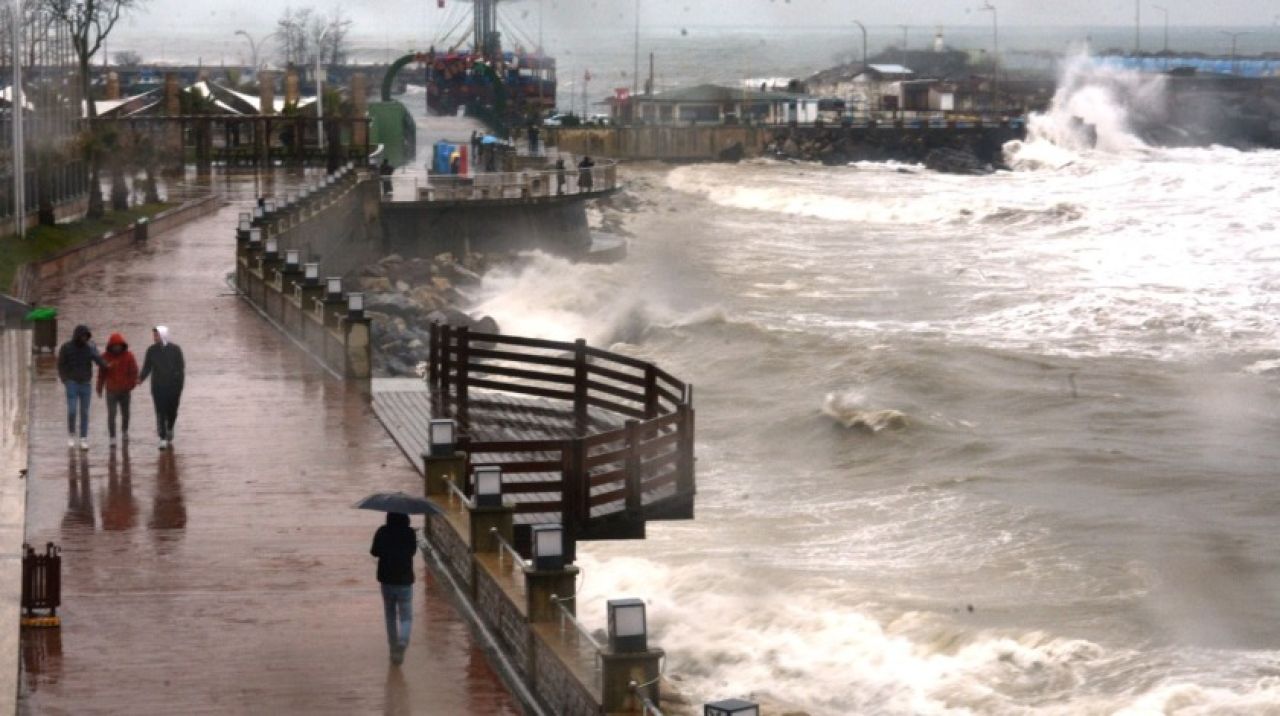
{"x":713,"y":104}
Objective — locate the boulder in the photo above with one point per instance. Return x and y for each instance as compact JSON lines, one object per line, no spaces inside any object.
{"x":392,"y":304}
{"x":954,"y":161}
{"x":450,"y":316}
{"x":427,"y":298}
{"x":375,"y":284}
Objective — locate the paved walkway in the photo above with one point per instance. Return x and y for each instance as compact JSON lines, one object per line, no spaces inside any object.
{"x":230,"y":575}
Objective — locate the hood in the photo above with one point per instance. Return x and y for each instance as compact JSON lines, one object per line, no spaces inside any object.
{"x":163,"y":332}
{"x":81,"y":333}
{"x":117,"y":339}
{"x":397,"y":519}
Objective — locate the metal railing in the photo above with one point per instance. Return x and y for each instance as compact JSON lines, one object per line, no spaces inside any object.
{"x":565,"y":614}
{"x":505,"y":547}
{"x":528,"y":184}
{"x":647,"y":707}
{"x":456,"y":492}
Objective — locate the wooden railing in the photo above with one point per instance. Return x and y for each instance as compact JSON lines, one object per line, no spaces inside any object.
{"x":603,"y":469}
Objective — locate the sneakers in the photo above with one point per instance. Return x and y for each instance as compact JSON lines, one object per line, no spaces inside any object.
{"x":397,"y":655}
{"x":71,"y":440}
{"x":84,"y":443}
{"x":164,"y":444}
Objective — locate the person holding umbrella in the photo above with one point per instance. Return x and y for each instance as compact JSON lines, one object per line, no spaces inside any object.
{"x":394,"y":545}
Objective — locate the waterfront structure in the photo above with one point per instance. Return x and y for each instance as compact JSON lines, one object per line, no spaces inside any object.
{"x":715,"y":104}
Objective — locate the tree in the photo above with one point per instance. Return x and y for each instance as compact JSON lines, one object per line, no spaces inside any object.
{"x":128,"y":58}
{"x":89,"y":22}
{"x":299,"y":33}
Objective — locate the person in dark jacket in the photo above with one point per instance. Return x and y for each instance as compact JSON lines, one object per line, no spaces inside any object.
{"x":584,"y":174}
{"x":118,"y":378}
{"x":163,"y":363}
{"x":76,"y":358}
{"x":394,"y":544}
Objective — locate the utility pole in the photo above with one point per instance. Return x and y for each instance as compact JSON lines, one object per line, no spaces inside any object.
{"x":1137,"y":26}
{"x":1234,"y":36}
{"x":635,"y":72}
{"x":904,"y":43}
{"x":1164,"y":10}
{"x":995,"y":53}
{"x":16,"y":111}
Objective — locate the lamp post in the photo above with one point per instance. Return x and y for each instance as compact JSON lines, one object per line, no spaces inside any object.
{"x":320,"y":87}
{"x":1137,"y":26}
{"x":995,"y":52}
{"x":866,"y":94}
{"x":1234,"y":36}
{"x":1165,"y":11}
{"x":905,"y":28}
{"x":253,"y":46}
{"x":15,"y":110}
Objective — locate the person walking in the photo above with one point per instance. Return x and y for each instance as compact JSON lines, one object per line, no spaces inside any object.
{"x":560,"y":176}
{"x":76,"y":359}
{"x":585,"y":174}
{"x":394,"y":544}
{"x":119,"y":377}
{"x":163,"y":363}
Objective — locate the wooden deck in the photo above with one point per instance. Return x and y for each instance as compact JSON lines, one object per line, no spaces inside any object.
{"x":406,"y":405}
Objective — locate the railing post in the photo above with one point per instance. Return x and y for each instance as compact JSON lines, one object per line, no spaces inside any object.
{"x":580,"y":385}
{"x":464,"y":357}
{"x":684,"y":461}
{"x":650,"y":391}
{"x":446,"y":360}
{"x":464,"y":447}
{"x":632,"y":481}
{"x":433,"y":356}
{"x":574,"y":495}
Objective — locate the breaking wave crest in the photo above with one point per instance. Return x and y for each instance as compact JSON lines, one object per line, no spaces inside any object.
{"x":848,"y":410}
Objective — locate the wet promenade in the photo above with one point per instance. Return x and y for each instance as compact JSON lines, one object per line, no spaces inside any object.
{"x":229,"y":575}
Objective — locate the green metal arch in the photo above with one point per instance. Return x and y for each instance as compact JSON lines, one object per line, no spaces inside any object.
{"x":389,"y":79}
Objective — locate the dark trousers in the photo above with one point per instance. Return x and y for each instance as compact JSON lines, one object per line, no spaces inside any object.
{"x":166,"y":411}
{"x":118,"y":401}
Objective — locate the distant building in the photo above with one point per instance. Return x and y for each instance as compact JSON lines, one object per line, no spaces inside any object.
{"x":713,"y":104}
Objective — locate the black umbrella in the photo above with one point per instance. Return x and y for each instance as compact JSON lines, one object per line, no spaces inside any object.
{"x":397,"y":502}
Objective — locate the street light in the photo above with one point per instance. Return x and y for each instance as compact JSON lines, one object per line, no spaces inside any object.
{"x":1234,"y":36}
{"x":253,"y":46}
{"x":320,"y":87}
{"x":1164,"y":10}
{"x":905,"y":28}
{"x":995,"y":51}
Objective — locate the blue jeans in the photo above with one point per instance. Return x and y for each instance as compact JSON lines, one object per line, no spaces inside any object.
{"x":397,"y":604}
{"x":78,"y":394}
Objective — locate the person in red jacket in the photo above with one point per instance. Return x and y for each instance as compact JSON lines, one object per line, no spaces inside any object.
{"x":119,"y":377}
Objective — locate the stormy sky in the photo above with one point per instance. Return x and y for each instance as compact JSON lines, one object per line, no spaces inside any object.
{"x":406,"y":18}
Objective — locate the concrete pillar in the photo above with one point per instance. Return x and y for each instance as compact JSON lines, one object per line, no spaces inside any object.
{"x":483,"y":520}
{"x":617,"y":673}
{"x":266,"y":93}
{"x":359,"y":348}
{"x":360,"y":110}
{"x":540,"y":586}
{"x":442,"y":470}
{"x":113,"y":86}
{"x":172,"y":103}
{"x":291,"y":91}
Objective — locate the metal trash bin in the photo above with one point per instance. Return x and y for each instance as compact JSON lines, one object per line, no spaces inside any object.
{"x":44,"y":336}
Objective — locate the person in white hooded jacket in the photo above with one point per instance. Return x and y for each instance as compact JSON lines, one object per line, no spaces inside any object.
{"x":167,"y":369}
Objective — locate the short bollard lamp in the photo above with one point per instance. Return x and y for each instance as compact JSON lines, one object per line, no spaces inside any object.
{"x":306,"y":192}
{"x":258,"y":212}
{"x":270,"y":206}
{"x":246,"y":222}
{"x":273,"y":248}
{"x":292,"y":258}
{"x":731,"y":707}
{"x":333,"y":288}
{"x":255,"y":238}
{"x":442,"y":433}
{"x":548,"y":547}
{"x":488,"y":486}
{"x":311,"y":275}
{"x":627,"y":628}
{"x":355,"y":306}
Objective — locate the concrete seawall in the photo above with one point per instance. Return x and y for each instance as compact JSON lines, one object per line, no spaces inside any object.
{"x":902,"y":140}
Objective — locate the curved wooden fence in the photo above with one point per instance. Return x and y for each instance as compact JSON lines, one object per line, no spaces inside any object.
{"x":623,"y":447}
